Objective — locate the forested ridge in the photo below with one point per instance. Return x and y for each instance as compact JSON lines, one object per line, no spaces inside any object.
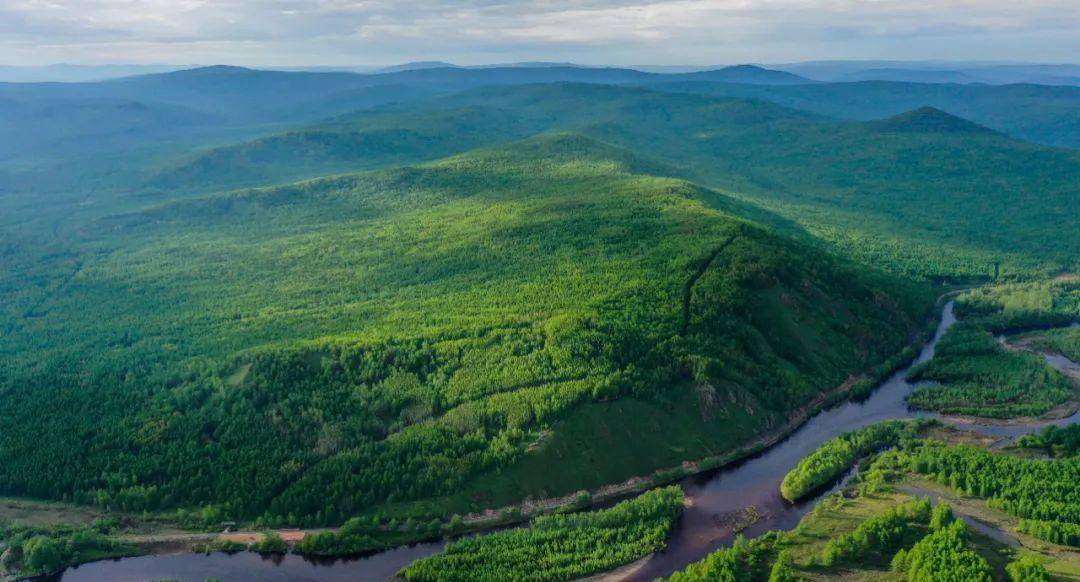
{"x":383,"y":337}
{"x":926,"y":193}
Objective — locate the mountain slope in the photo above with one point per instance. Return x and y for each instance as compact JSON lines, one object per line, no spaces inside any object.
{"x":925,"y":192}
{"x":252,"y":95}
{"x":928,"y":120}
{"x":1044,"y":114}
{"x":749,"y":74}
{"x":395,"y":335}
{"x":409,"y":133}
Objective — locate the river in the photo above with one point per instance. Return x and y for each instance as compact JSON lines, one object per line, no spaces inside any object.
{"x":704,"y":527}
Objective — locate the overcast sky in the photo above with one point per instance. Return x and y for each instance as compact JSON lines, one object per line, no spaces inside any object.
{"x":377,"y":32}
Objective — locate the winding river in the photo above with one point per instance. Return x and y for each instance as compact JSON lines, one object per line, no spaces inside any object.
{"x":715,"y":499}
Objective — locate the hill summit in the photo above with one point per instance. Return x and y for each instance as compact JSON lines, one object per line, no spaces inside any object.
{"x":929,"y":120}
{"x":750,"y":74}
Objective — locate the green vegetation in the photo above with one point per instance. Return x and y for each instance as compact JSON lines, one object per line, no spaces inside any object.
{"x":1064,"y":341}
{"x":869,"y":191}
{"x":868,"y":535}
{"x":925,"y":194}
{"x":836,"y":456}
{"x":225,"y":545}
{"x":526,"y":319}
{"x":873,"y":531}
{"x":1019,"y":306}
{"x":1042,"y":114}
{"x":1028,"y":569}
{"x":271,"y":543}
{"x":943,"y":555}
{"x":31,"y":551}
{"x":1054,"y":440}
{"x":1034,"y":489}
{"x":941,"y":516}
{"x":883,"y":534}
{"x":783,"y":570}
{"x":744,"y":560}
{"x":608,"y":442}
{"x":355,"y":536}
{"x":1061,"y":533}
{"x":560,"y":547}
{"x":979,"y":377}
{"x":392,"y":336}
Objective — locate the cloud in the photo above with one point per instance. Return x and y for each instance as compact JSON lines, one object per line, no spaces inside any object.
{"x":626,"y":31}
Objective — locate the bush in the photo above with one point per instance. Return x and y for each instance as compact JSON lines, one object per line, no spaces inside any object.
{"x":783,"y":570}
{"x":1027,"y":569}
{"x":942,"y":555}
{"x":883,"y":534}
{"x":42,"y":554}
{"x":941,"y":516}
{"x":271,"y":543}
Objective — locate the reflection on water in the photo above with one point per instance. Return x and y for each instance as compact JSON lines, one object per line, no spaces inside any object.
{"x":249,"y":566}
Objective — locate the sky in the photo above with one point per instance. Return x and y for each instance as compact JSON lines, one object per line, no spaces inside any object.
{"x":615,"y":32}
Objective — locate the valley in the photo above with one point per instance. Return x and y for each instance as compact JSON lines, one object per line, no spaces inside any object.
{"x":414,"y":322}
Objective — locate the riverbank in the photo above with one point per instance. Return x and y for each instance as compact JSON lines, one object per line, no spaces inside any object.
{"x":718,"y":485}
{"x":1059,"y":362}
{"x":746,"y":477}
{"x":158,"y":543}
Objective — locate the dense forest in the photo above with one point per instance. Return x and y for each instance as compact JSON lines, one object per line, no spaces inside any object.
{"x":926,"y":194}
{"x":400,"y":332}
{"x":383,"y":305}
{"x":1044,"y":491}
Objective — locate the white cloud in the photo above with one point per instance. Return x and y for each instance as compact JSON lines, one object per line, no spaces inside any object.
{"x":626,"y":31}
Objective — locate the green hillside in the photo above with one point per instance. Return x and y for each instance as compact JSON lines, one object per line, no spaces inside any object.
{"x":1040,"y":113}
{"x":345,"y":342}
{"x":924,"y":193}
